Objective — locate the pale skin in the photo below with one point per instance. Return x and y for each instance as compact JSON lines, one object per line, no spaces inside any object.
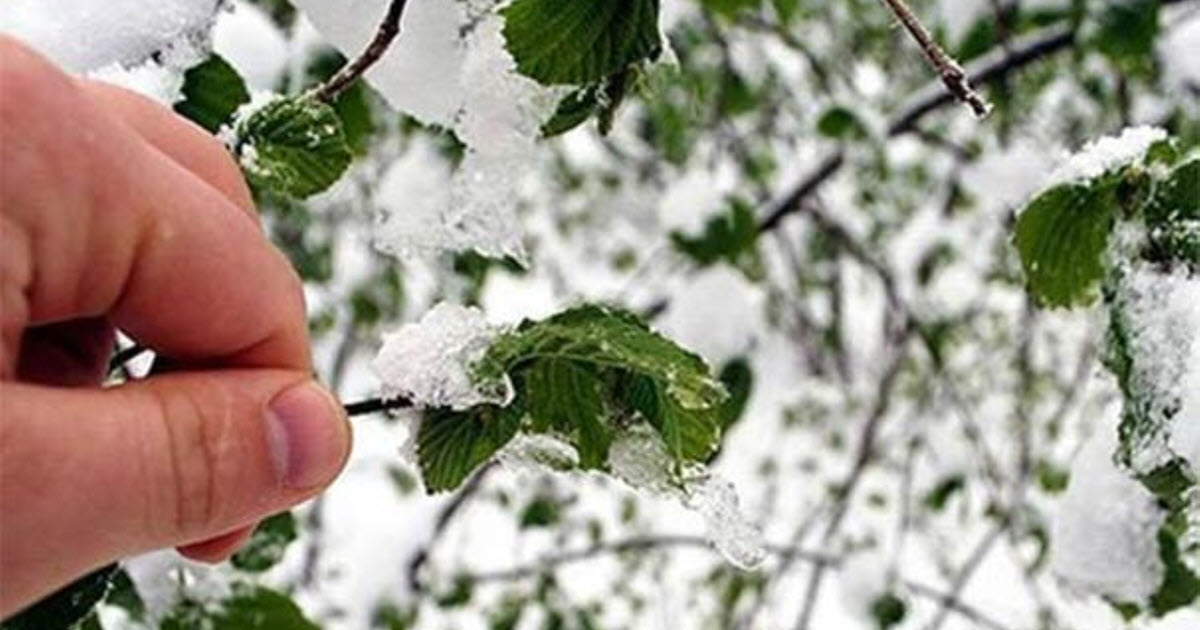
{"x":117,"y":214}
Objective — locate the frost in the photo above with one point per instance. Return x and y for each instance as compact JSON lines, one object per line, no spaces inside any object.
{"x":1105,"y":529}
{"x":1159,"y":316}
{"x":429,"y":362}
{"x":1107,"y":153}
{"x":639,"y":458}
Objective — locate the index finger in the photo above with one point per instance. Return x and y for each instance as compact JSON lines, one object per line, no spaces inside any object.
{"x":99,"y":222}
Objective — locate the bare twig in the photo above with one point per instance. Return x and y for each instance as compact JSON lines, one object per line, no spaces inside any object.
{"x":951,"y":73}
{"x":376,"y":405}
{"x":387,"y":32}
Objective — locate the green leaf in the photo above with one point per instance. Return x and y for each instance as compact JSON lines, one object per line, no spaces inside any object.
{"x":123,"y":593}
{"x":1180,"y":587}
{"x":450,"y":444}
{"x":565,"y":396}
{"x":671,"y":388}
{"x":267,"y":545}
{"x":250,"y":608}
{"x":726,"y":237}
{"x":542,"y":511}
{"x":293,"y":146}
{"x":212,"y":92}
{"x":1126,"y":32}
{"x":1052,"y":479}
{"x":65,"y":608}
{"x":1062,"y":237}
{"x":738,"y":379}
{"x":573,"y":110}
{"x":888,"y":610}
{"x":578,"y":42}
{"x":841,"y":123}
{"x":940,"y":495}
{"x":1172,"y":215}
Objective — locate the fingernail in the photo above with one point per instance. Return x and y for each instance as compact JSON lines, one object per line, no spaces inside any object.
{"x":308,"y":435}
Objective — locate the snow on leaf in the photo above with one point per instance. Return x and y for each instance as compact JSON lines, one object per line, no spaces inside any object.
{"x":1154,"y":344}
{"x":1107,"y":154}
{"x":429,"y":362}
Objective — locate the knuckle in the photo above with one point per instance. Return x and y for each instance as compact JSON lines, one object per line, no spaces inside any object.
{"x":199,"y":430}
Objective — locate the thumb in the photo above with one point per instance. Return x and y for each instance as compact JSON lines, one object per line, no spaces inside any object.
{"x":92,"y":475}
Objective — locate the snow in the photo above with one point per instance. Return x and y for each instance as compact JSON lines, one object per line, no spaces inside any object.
{"x":140,"y":45}
{"x":1107,"y":153}
{"x":639,"y":458}
{"x":1177,"y":50}
{"x":84,"y":35}
{"x":247,"y":38}
{"x":429,"y":362}
{"x":412,"y":195}
{"x":1104,"y":534}
{"x":716,"y":314}
{"x":421,"y":73}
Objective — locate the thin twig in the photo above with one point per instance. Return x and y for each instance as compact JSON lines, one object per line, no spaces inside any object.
{"x":124,"y":356}
{"x":387,"y":32}
{"x":376,"y":405}
{"x":951,"y":73}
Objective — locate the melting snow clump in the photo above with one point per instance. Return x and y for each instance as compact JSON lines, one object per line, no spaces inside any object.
{"x":430,"y":362}
{"x":1104,"y":154}
{"x":639,"y":458}
{"x":1105,"y":529}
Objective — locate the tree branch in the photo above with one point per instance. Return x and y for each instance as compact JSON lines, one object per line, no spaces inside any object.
{"x":992,"y":66}
{"x":387,"y":32}
{"x":949,"y":70}
{"x":376,"y":405}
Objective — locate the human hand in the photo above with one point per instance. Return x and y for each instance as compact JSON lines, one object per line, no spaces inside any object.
{"x":114,"y":213}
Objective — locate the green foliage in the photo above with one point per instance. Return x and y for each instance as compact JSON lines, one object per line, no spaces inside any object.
{"x":267,"y":545}
{"x":451,"y":444}
{"x":1173,"y":216}
{"x":579,"y":42}
{"x":1063,"y":240}
{"x":738,"y":379}
{"x":67,"y":607}
{"x":1126,"y":32}
{"x":601,"y":100}
{"x":293,"y":146}
{"x":841,"y":123}
{"x":541,"y":511}
{"x":250,"y":608}
{"x":580,"y":376}
{"x":730,"y":237}
{"x":888,"y":611}
{"x":940,"y":495}
{"x":212,"y":92}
